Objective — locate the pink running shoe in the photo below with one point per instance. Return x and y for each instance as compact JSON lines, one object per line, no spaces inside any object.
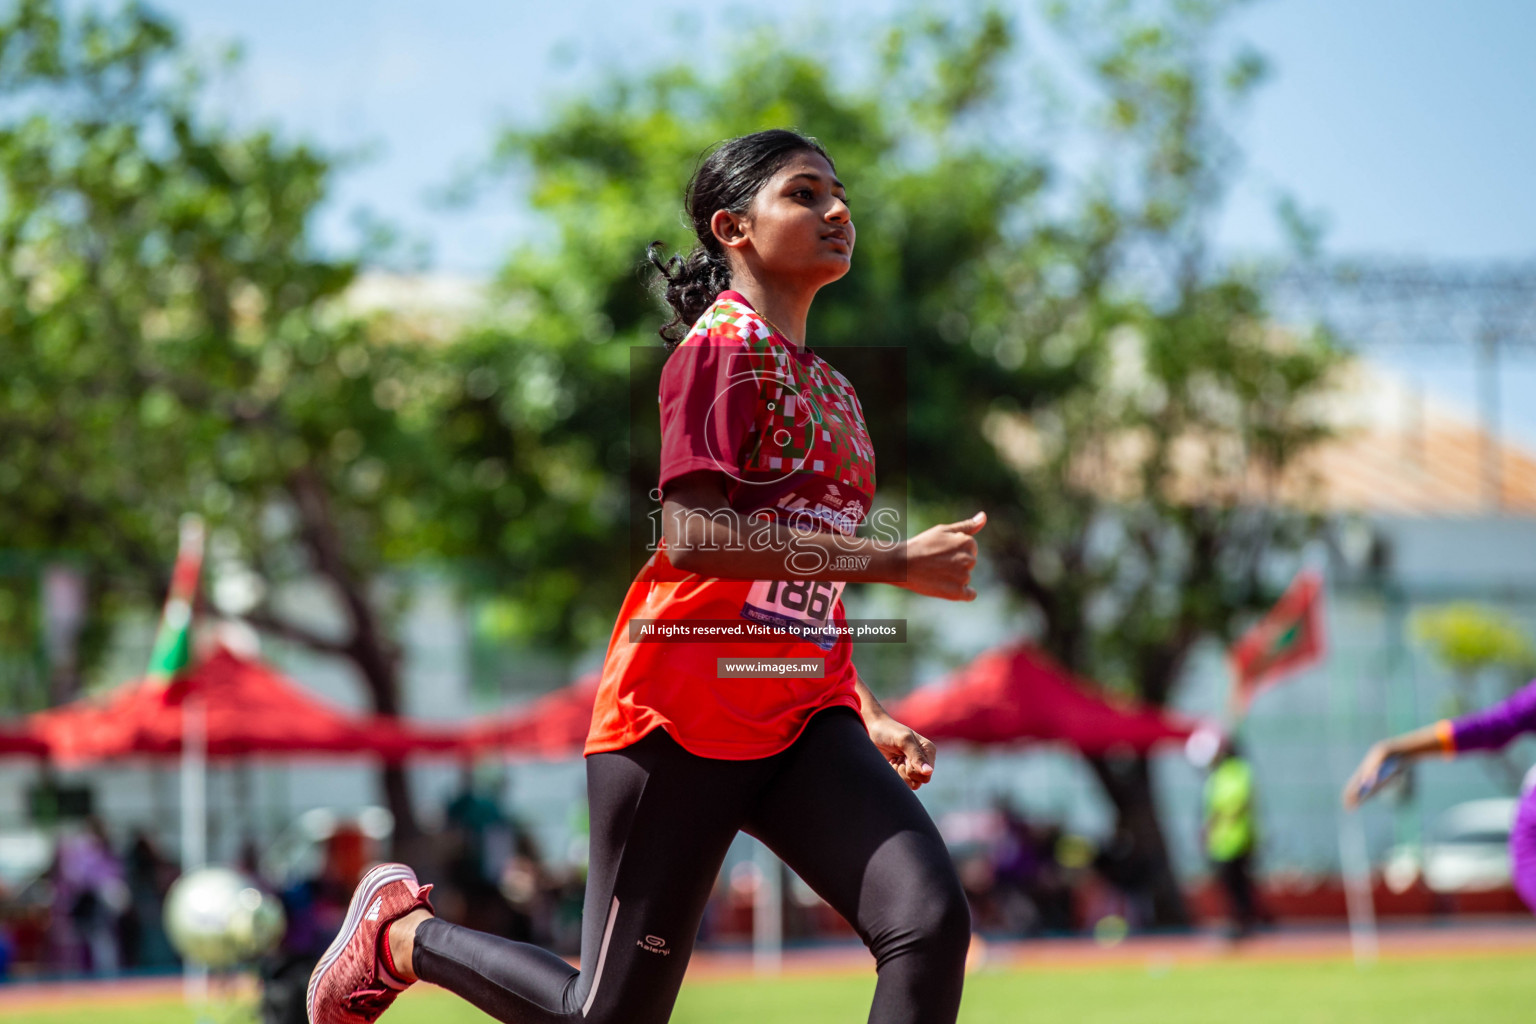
{"x":349,"y":984}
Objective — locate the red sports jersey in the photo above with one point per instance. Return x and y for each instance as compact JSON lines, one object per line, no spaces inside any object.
{"x":787,"y":431}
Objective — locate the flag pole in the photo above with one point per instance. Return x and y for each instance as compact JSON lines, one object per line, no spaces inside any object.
{"x":171,"y":654}
{"x":194,"y":785}
{"x":1237,"y":697}
{"x":1288,"y":638}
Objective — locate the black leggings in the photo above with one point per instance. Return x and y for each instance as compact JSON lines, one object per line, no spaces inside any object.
{"x":662,"y":819}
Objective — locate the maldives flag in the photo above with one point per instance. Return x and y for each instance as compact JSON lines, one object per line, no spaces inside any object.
{"x":1288,"y":639}
{"x":173,"y":641}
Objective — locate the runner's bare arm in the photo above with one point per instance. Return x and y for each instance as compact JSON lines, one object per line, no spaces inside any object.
{"x":912,"y":756}
{"x":705,"y":535}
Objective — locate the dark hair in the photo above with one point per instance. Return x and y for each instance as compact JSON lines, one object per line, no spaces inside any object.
{"x":728,"y":179}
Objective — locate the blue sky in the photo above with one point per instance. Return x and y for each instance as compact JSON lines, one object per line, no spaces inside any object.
{"x":1408,"y":124}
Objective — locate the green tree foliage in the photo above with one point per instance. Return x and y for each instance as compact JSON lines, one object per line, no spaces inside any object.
{"x":1475,"y":641}
{"x":1471,"y":638}
{"x":172,"y":342}
{"x":607,"y":171}
{"x":1137,"y":514}
{"x":1081,"y":367}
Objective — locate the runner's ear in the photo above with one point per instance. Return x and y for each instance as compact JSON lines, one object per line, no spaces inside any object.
{"x":729,"y":228}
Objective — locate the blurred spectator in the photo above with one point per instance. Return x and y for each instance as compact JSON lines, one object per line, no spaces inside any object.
{"x":1016,"y":867}
{"x":7,"y":934}
{"x":1011,"y":870}
{"x":1053,"y":891}
{"x":148,"y":875}
{"x":484,"y":832}
{"x":249,"y":861}
{"x":1231,"y":835}
{"x":1121,"y":863}
{"x":89,"y":895}
{"x":495,"y":876}
{"x":974,"y":868}
{"x":315,"y":908}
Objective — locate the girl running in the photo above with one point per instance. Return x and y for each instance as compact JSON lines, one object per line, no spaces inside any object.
{"x":766,"y":470}
{"x":1488,"y":729}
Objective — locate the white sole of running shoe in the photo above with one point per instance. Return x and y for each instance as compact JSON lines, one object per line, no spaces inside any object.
{"x":363,"y":895}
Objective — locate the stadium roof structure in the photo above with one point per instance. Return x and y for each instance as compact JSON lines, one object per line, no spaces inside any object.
{"x":1393,"y":451}
{"x":1399,"y":453}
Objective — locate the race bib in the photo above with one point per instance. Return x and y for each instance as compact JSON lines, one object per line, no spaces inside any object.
{"x":802,"y":606}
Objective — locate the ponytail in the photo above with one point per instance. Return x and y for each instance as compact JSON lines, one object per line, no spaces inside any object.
{"x":689,"y":284}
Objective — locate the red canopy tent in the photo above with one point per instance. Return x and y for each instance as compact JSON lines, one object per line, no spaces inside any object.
{"x":1008,"y":695}
{"x":249,"y":709}
{"x":16,"y":740}
{"x":553,"y":726}
{"x":1015,"y":693}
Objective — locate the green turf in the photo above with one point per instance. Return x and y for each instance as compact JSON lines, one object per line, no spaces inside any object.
{"x":1487,"y":989}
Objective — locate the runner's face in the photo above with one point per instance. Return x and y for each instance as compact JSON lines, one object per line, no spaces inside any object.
{"x":798,"y":226}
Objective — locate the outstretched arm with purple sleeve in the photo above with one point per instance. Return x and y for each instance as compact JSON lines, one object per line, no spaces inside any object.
{"x":1488,"y":729}
{"x":1491,"y":728}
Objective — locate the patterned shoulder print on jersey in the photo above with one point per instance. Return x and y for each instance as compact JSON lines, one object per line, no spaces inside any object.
{"x":728,"y":320}
{"x":808,"y":418}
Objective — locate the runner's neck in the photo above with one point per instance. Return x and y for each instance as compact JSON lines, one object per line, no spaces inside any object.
{"x":784,"y":310}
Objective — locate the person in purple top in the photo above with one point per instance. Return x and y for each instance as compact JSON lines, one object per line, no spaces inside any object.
{"x":1488,"y":729}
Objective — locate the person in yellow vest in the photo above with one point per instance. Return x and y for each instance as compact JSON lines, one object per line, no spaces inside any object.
{"x":1230,"y":834}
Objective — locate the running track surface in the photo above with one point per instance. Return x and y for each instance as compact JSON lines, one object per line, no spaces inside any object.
{"x":1515,"y":936}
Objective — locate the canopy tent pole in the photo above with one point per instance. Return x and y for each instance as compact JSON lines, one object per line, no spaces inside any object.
{"x":194,"y":785}
{"x":244,"y":827}
{"x":194,"y":819}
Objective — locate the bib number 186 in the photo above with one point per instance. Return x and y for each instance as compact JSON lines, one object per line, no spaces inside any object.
{"x":803,"y":606}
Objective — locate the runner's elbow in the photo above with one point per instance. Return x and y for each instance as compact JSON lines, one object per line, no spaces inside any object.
{"x":694,"y":558}
{"x":683,"y":557}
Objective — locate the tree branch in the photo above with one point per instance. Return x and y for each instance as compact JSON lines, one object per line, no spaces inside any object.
{"x":264,"y":619}
{"x":376,"y":657}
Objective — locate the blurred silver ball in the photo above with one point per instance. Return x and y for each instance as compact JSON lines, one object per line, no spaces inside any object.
{"x":219,"y":917}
